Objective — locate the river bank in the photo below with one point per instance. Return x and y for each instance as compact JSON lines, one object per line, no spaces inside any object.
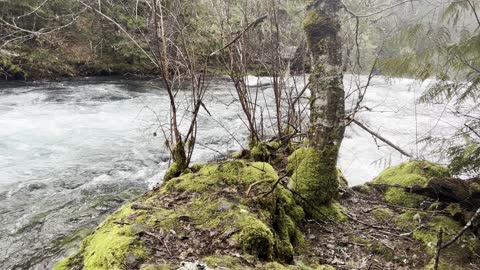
{"x":238,"y":214}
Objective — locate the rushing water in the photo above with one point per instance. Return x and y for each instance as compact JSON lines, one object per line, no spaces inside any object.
{"x":72,"y":152}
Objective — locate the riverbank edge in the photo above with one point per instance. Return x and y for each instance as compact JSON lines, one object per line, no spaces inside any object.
{"x":214,"y":215}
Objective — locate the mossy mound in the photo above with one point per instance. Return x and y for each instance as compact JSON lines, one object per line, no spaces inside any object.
{"x":425,"y":228}
{"x":212,"y":212}
{"x":113,"y":245}
{"x":413,"y":173}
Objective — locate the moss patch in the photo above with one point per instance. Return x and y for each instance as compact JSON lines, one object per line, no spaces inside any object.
{"x":113,"y":245}
{"x":315,"y":178}
{"x":224,"y":262}
{"x":429,"y":236}
{"x":383,"y":214}
{"x":235,"y":174}
{"x":413,"y":173}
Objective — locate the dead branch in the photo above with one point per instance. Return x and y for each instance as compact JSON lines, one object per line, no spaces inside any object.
{"x":391,"y":144}
{"x":468,"y":226}
{"x":439,"y":249}
{"x":441,"y":246}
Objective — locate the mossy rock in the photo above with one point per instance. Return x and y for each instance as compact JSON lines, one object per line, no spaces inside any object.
{"x":223,"y":200}
{"x":413,"y":173}
{"x":113,"y":245}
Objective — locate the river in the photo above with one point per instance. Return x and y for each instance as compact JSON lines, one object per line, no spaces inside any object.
{"x":71,"y":152}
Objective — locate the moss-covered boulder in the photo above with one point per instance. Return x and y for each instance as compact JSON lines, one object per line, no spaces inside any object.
{"x":214,"y":212}
{"x":413,"y":173}
{"x":114,"y":245}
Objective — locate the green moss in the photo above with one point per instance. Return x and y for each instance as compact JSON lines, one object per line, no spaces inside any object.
{"x":315,"y":178}
{"x":112,"y":246}
{"x":295,"y":159}
{"x":383,"y":214}
{"x":260,"y":152}
{"x":264,"y":227}
{"x":413,"y":173}
{"x":172,"y":172}
{"x":409,"y":220}
{"x":330,"y":212}
{"x":364,"y":189}
{"x":224,"y":262}
{"x":238,"y":174}
{"x":275,"y":145}
{"x":237,"y":155}
{"x":429,"y":235}
{"x":435,"y":206}
{"x":475,"y":187}
{"x":256,"y":238}
{"x":342,"y":180}
{"x":273,"y":266}
{"x":454,"y":209}
{"x":180,"y":162}
{"x":399,"y":197}
{"x":10,"y":69}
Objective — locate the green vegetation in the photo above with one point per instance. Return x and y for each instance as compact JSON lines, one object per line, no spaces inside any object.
{"x":112,"y":246}
{"x":315,"y":179}
{"x":413,"y":173}
{"x":266,"y":228}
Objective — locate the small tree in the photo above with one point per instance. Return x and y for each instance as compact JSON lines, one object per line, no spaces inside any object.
{"x":316,"y":176}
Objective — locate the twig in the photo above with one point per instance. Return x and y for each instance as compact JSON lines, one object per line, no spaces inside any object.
{"x":252,"y":186}
{"x":466,"y":228}
{"x":275,"y":185}
{"x":441,"y":246}
{"x":439,"y":249}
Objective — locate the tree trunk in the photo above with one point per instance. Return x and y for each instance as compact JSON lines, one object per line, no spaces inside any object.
{"x":316,"y":177}
{"x":327,"y":104}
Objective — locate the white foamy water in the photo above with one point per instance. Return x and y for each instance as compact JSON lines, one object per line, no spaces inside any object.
{"x":72,"y":152}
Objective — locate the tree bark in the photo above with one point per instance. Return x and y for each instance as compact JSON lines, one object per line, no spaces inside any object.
{"x":327,"y":104}
{"x":316,"y":177}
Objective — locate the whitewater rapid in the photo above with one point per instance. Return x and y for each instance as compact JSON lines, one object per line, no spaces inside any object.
{"x":71,"y":152}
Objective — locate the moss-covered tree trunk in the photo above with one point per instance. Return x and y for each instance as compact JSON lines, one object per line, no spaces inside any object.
{"x":316,"y":176}
{"x":322,"y":27}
